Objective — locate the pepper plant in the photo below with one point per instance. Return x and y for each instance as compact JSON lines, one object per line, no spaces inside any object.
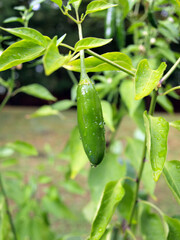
{"x":114,"y":184}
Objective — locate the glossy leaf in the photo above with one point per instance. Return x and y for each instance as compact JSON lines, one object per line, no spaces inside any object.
{"x":90,"y":42}
{"x":172,"y":175}
{"x":23,"y":148}
{"x":77,"y":154}
{"x":96,"y":65}
{"x":37,"y":90}
{"x":127,"y":94}
{"x":107,"y":114}
{"x":175,"y":124}
{"x":58,"y":2}
{"x":63,"y":105}
{"x":112,"y":195}
{"x":147,"y":79}
{"x":44,"y":111}
{"x":20,"y":52}
{"x":52,"y":59}
{"x":174,"y":228}
{"x":157,"y":129}
{"x":98,"y":5}
{"x":29,"y":34}
{"x":60,"y":40}
{"x":109,"y":170}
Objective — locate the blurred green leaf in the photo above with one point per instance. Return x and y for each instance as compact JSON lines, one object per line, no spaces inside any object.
{"x":58,"y":2}
{"x":157,"y":129}
{"x":5,"y":230}
{"x":172,"y":175}
{"x":146,"y":79}
{"x":6,"y":151}
{"x":107,"y":114}
{"x":165,"y":103}
{"x":174,"y":228}
{"x":98,"y":5}
{"x":44,"y":111}
{"x":9,"y":162}
{"x":112,"y":195}
{"x":90,"y":42}
{"x":20,"y":52}
{"x":63,"y":105}
{"x":72,"y":187}
{"x":23,"y":148}
{"x":37,"y":90}
{"x":13,"y":19}
{"x":175,"y":124}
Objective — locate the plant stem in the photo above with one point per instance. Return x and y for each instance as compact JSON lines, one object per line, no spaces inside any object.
{"x":170,"y":90}
{"x":169,"y":72}
{"x":7,"y":209}
{"x":138,"y":180}
{"x":110,"y":62}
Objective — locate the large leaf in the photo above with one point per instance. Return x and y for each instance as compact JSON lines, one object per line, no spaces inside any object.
{"x":174,"y":228}
{"x":36,"y":90}
{"x":112,"y":195}
{"x":94,"y":64}
{"x":147,"y":79}
{"x":107,"y":114}
{"x":109,"y":170}
{"x":98,"y":5}
{"x":23,"y":148}
{"x":157,"y":129}
{"x":175,"y":124}
{"x":90,"y":42}
{"x":127,"y":94}
{"x":52,"y":59}
{"x":172,"y":175}
{"x":29,"y":34}
{"x":20,"y":52}
{"x":77,"y":154}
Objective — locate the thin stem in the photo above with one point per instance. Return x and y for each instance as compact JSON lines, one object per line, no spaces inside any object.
{"x":68,"y":15}
{"x":169,"y":72}
{"x":7,"y":209}
{"x":138,"y":180}
{"x":67,"y":46}
{"x":72,"y":76}
{"x":170,"y":90}
{"x":5,"y":100}
{"x":110,"y":62}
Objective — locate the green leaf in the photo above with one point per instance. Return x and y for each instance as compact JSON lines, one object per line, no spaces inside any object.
{"x":20,"y":52}
{"x":5,"y":230}
{"x":107,"y":114}
{"x":96,"y":65}
{"x":75,"y":3}
{"x":52,"y":60}
{"x":4,"y":83}
{"x":23,"y":148}
{"x":164,"y":102}
{"x":9,"y":162}
{"x":60,"y":40}
{"x":112,"y":195}
{"x":58,"y":2}
{"x":77,"y":154}
{"x":36,"y":90}
{"x":152,"y":227}
{"x":90,"y":42}
{"x":172,"y":175}
{"x":63,"y":105}
{"x":98,"y":5}
{"x":44,"y":111}
{"x":174,"y":228}
{"x":72,"y":187}
{"x":157,"y":129}
{"x":13,"y":19}
{"x":127,"y":94}
{"x":146,"y":79}
{"x":175,"y":124}
{"x":6,"y":152}
{"x":109,"y":170}
{"x":29,"y":34}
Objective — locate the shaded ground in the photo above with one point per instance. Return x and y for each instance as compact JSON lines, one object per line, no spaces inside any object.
{"x":53,"y":132}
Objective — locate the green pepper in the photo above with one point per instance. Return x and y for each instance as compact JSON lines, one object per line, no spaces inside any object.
{"x":90,"y":120}
{"x":110,"y":23}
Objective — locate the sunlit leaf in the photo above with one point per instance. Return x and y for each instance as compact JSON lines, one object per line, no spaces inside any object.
{"x":98,"y":5}
{"x":58,"y":2}
{"x":112,"y":195}
{"x":175,"y":124}
{"x":6,"y":151}
{"x":146,"y":79}
{"x":44,"y":111}
{"x":172,"y":175}
{"x":107,"y":114}
{"x":157,"y":129}
{"x":63,"y":105}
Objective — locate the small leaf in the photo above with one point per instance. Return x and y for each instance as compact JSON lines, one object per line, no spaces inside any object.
{"x":52,"y":59}
{"x":146,"y":79}
{"x":29,"y":34}
{"x":112,"y":195}
{"x":13,"y":19}
{"x":175,"y":124}
{"x":44,"y":111}
{"x":90,"y":42}
{"x":6,"y":151}
{"x":172,"y":175}
{"x":174,"y":228}
{"x":96,"y":65}
{"x":23,"y":148}
{"x":107,"y":114}
{"x":63,"y":105}
{"x":36,"y":90}
{"x":98,"y":5}
{"x":157,"y":129}
{"x":58,"y":2}
{"x":60,"y":40}
{"x":20,"y":52}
